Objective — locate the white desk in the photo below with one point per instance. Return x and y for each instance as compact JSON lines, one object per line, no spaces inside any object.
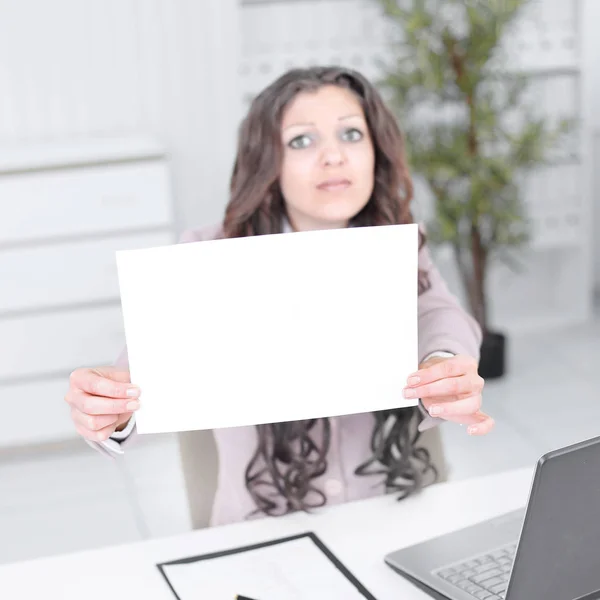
{"x":359,"y":533}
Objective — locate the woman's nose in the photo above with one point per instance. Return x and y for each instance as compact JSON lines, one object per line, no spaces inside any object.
{"x":333,"y":155}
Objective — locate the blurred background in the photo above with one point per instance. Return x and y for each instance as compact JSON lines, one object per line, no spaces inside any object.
{"x":118,"y":121}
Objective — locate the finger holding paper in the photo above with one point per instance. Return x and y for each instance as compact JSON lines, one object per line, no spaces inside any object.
{"x":450,"y":388}
{"x":101,"y":400}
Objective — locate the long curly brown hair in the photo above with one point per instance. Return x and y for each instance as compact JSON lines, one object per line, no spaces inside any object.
{"x":290,"y":456}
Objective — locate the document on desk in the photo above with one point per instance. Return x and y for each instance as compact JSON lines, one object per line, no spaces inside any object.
{"x":296,"y":568}
{"x":271,"y":328}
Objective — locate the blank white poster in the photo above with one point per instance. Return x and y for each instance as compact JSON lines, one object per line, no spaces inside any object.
{"x":274,"y":328}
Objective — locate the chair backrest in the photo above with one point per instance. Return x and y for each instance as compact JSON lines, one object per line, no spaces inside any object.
{"x":431,"y":440}
{"x":200,"y":466}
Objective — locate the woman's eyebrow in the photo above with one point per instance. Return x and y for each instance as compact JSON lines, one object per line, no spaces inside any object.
{"x":312,"y":124}
{"x":299,"y":125}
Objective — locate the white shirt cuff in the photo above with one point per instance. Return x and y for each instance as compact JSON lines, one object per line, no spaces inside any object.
{"x":120,"y":436}
{"x":440,"y":353}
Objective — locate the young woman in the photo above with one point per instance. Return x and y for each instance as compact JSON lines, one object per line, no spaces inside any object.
{"x":318,"y":150}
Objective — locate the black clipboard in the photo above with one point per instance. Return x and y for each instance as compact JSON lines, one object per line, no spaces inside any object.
{"x":312,"y":536}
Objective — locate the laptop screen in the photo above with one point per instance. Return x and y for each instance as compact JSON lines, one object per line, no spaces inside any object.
{"x":559,"y":549}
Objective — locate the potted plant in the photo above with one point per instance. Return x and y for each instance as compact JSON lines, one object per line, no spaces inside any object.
{"x":470,"y":136}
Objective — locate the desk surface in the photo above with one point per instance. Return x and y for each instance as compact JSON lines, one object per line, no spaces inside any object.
{"x":359,"y":533}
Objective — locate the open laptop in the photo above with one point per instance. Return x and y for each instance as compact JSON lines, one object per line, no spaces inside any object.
{"x":549,"y":550}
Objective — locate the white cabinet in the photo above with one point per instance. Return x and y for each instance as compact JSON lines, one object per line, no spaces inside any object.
{"x":63,"y":215}
{"x":68,"y":272}
{"x":83,"y":201}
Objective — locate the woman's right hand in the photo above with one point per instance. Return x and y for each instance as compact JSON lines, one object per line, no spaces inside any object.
{"x":101,"y":401}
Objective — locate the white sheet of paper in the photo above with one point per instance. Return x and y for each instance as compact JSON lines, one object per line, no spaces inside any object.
{"x":274,"y":328}
{"x":294,"y":570}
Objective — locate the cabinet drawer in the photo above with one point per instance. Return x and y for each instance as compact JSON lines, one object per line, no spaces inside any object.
{"x":67,"y":273}
{"x":86,"y":200}
{"x":35,"y":413}
{"x":59,"y":342}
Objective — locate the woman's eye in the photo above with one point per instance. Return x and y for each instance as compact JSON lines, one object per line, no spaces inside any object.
{"x":301,"y":141}
{"x":352,"y":135}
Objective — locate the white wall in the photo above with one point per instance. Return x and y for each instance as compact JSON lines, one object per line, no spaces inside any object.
{"x":596,"y":204}
{"x":170,"y":67}
{"x":80,"y":68}
{"x":547,"y":42}
{"x":591,"y":46}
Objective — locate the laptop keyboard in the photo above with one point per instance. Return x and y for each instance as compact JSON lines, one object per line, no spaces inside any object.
{"x":484,"y":577}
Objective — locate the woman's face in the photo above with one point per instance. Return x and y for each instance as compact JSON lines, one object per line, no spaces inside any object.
{"x":328,"y":159}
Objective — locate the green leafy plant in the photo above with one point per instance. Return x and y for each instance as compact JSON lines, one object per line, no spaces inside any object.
{"x":470,"y":134}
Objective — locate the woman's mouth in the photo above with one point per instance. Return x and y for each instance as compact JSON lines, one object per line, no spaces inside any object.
{"x":334,"y":185}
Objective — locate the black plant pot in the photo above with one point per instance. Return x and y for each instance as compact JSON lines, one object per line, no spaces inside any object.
{"x":492,"y":361}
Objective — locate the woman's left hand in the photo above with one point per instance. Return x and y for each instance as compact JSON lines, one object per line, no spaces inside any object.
{"x":450,"y":388}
